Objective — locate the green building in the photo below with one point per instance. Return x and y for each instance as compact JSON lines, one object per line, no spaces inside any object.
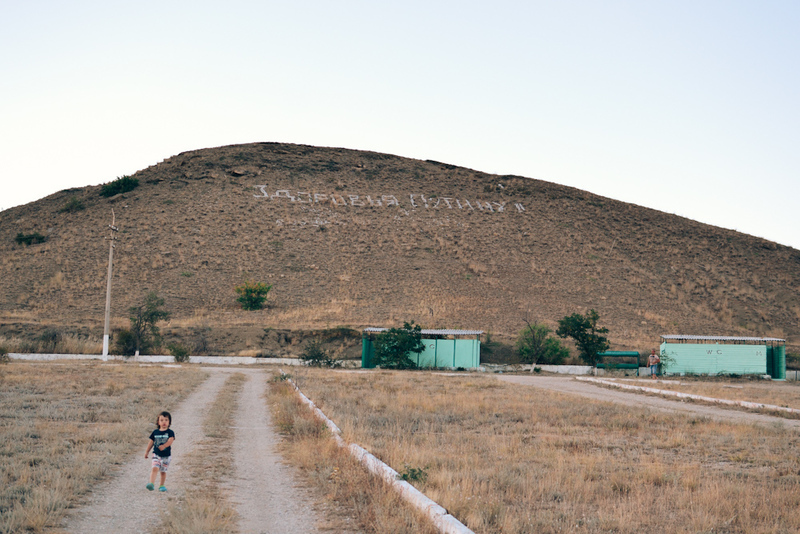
{"x":443,"y":348}
{"x":724,"y":355}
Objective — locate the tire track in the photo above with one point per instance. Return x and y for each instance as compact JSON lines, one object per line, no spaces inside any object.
{"x":264,"y":489}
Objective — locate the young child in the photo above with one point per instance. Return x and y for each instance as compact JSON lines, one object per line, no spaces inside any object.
{"x":161,"y":442}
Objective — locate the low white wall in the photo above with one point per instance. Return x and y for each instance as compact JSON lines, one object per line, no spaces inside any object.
{"x":219,"y":360}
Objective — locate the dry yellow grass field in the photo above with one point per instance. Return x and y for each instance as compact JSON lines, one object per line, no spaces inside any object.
{"x":352,"y":494}
{"x":510,"y":459}
{"x":65,"y":427}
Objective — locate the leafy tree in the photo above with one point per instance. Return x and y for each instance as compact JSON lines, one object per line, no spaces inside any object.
{"x":585,"y":332}
{"x":144,"y":334}
{"x":393,"y":346}
{"x":252,"y":295}
{"x":536,"y":345}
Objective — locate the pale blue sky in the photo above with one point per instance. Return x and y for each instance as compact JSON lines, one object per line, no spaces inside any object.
{"x":690,"y":107}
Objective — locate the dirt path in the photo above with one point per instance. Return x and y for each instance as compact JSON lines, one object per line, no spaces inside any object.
{"x":262,"y":487}
{"x":592,"y":391}
{"x":123,"y":504}
{"x":266,"y":497}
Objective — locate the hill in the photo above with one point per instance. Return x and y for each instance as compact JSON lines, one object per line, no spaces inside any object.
{"x":358,"y":238}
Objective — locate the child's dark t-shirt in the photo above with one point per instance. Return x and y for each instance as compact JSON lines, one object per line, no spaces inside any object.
{"x":159,"y":438}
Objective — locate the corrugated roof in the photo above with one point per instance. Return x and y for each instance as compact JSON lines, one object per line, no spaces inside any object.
{"x":681,"y":337}
{"x":445,"y":332}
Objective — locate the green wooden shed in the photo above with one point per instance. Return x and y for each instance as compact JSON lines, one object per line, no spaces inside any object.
{"x":443,"y":348}
{"x":724,"y":355}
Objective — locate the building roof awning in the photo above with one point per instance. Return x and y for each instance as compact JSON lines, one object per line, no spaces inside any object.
{"x":429,"y":332}
{"x":681,"y":337}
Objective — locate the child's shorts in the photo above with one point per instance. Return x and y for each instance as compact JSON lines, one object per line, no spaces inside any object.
{"x":161,"y":463}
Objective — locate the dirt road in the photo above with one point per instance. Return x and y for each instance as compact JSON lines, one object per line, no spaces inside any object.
{"x":264,"y":490}
{"x":593,"y":391}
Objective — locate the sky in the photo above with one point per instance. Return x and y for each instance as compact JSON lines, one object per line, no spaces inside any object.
{"x":688,"y":107}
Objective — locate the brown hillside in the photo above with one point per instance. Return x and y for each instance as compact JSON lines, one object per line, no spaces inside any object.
{"x":359,"y":238}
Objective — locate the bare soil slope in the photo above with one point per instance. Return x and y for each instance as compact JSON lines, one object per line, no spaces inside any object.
{"x":358,"y":238}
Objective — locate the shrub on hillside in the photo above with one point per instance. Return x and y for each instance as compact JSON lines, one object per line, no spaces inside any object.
{"x":73,"y":204}
{"x":252,"y":295}
{"x":120,"y":185}
{"x":30,"y":239}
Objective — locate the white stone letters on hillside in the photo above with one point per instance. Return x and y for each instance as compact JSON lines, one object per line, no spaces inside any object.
{"x":415,"y":200}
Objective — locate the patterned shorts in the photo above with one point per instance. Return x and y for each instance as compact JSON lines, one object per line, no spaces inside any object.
{"x":161,"y":463}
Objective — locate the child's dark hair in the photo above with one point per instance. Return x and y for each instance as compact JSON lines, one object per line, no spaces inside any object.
{"x":167,"y":415}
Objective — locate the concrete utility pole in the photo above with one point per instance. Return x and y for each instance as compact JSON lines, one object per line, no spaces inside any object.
{"x":112,"y":239}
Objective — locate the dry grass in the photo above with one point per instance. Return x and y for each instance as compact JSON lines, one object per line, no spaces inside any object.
{"x":64,"y":427}
{"x":786,"y":394}
{"x":505,"y":458}
{"x":346,"y":486}
{"x":205,"y":507}
{"x":66,"y":344}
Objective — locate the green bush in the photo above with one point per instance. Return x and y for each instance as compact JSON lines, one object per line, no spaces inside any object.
{"x":252,"y":295}
{"x":315,"y":356}
{"x":124,"y":343}
{"x":413,"y":474}
{"x":123,"y":184}
{"x":180,"y":352}
{"x":30,"y":239}
{"x":73,"y":204}
{"x":4,"y":355}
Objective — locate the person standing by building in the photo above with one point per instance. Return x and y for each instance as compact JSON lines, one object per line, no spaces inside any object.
{"x":653,"y":362}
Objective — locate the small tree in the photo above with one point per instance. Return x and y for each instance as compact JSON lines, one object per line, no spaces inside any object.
{"x":585,"y":332}
{"x":252,"y":295}
{"x":144,"y":334}
{"x":536,"y":345}
{"x":393,"y":346}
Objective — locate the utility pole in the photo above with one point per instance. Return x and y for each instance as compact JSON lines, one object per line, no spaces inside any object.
{"x":111,"y":240}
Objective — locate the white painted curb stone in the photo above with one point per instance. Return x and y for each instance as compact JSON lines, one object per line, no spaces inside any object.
{"x":445,"y":522}
{"x":680,"y":395}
